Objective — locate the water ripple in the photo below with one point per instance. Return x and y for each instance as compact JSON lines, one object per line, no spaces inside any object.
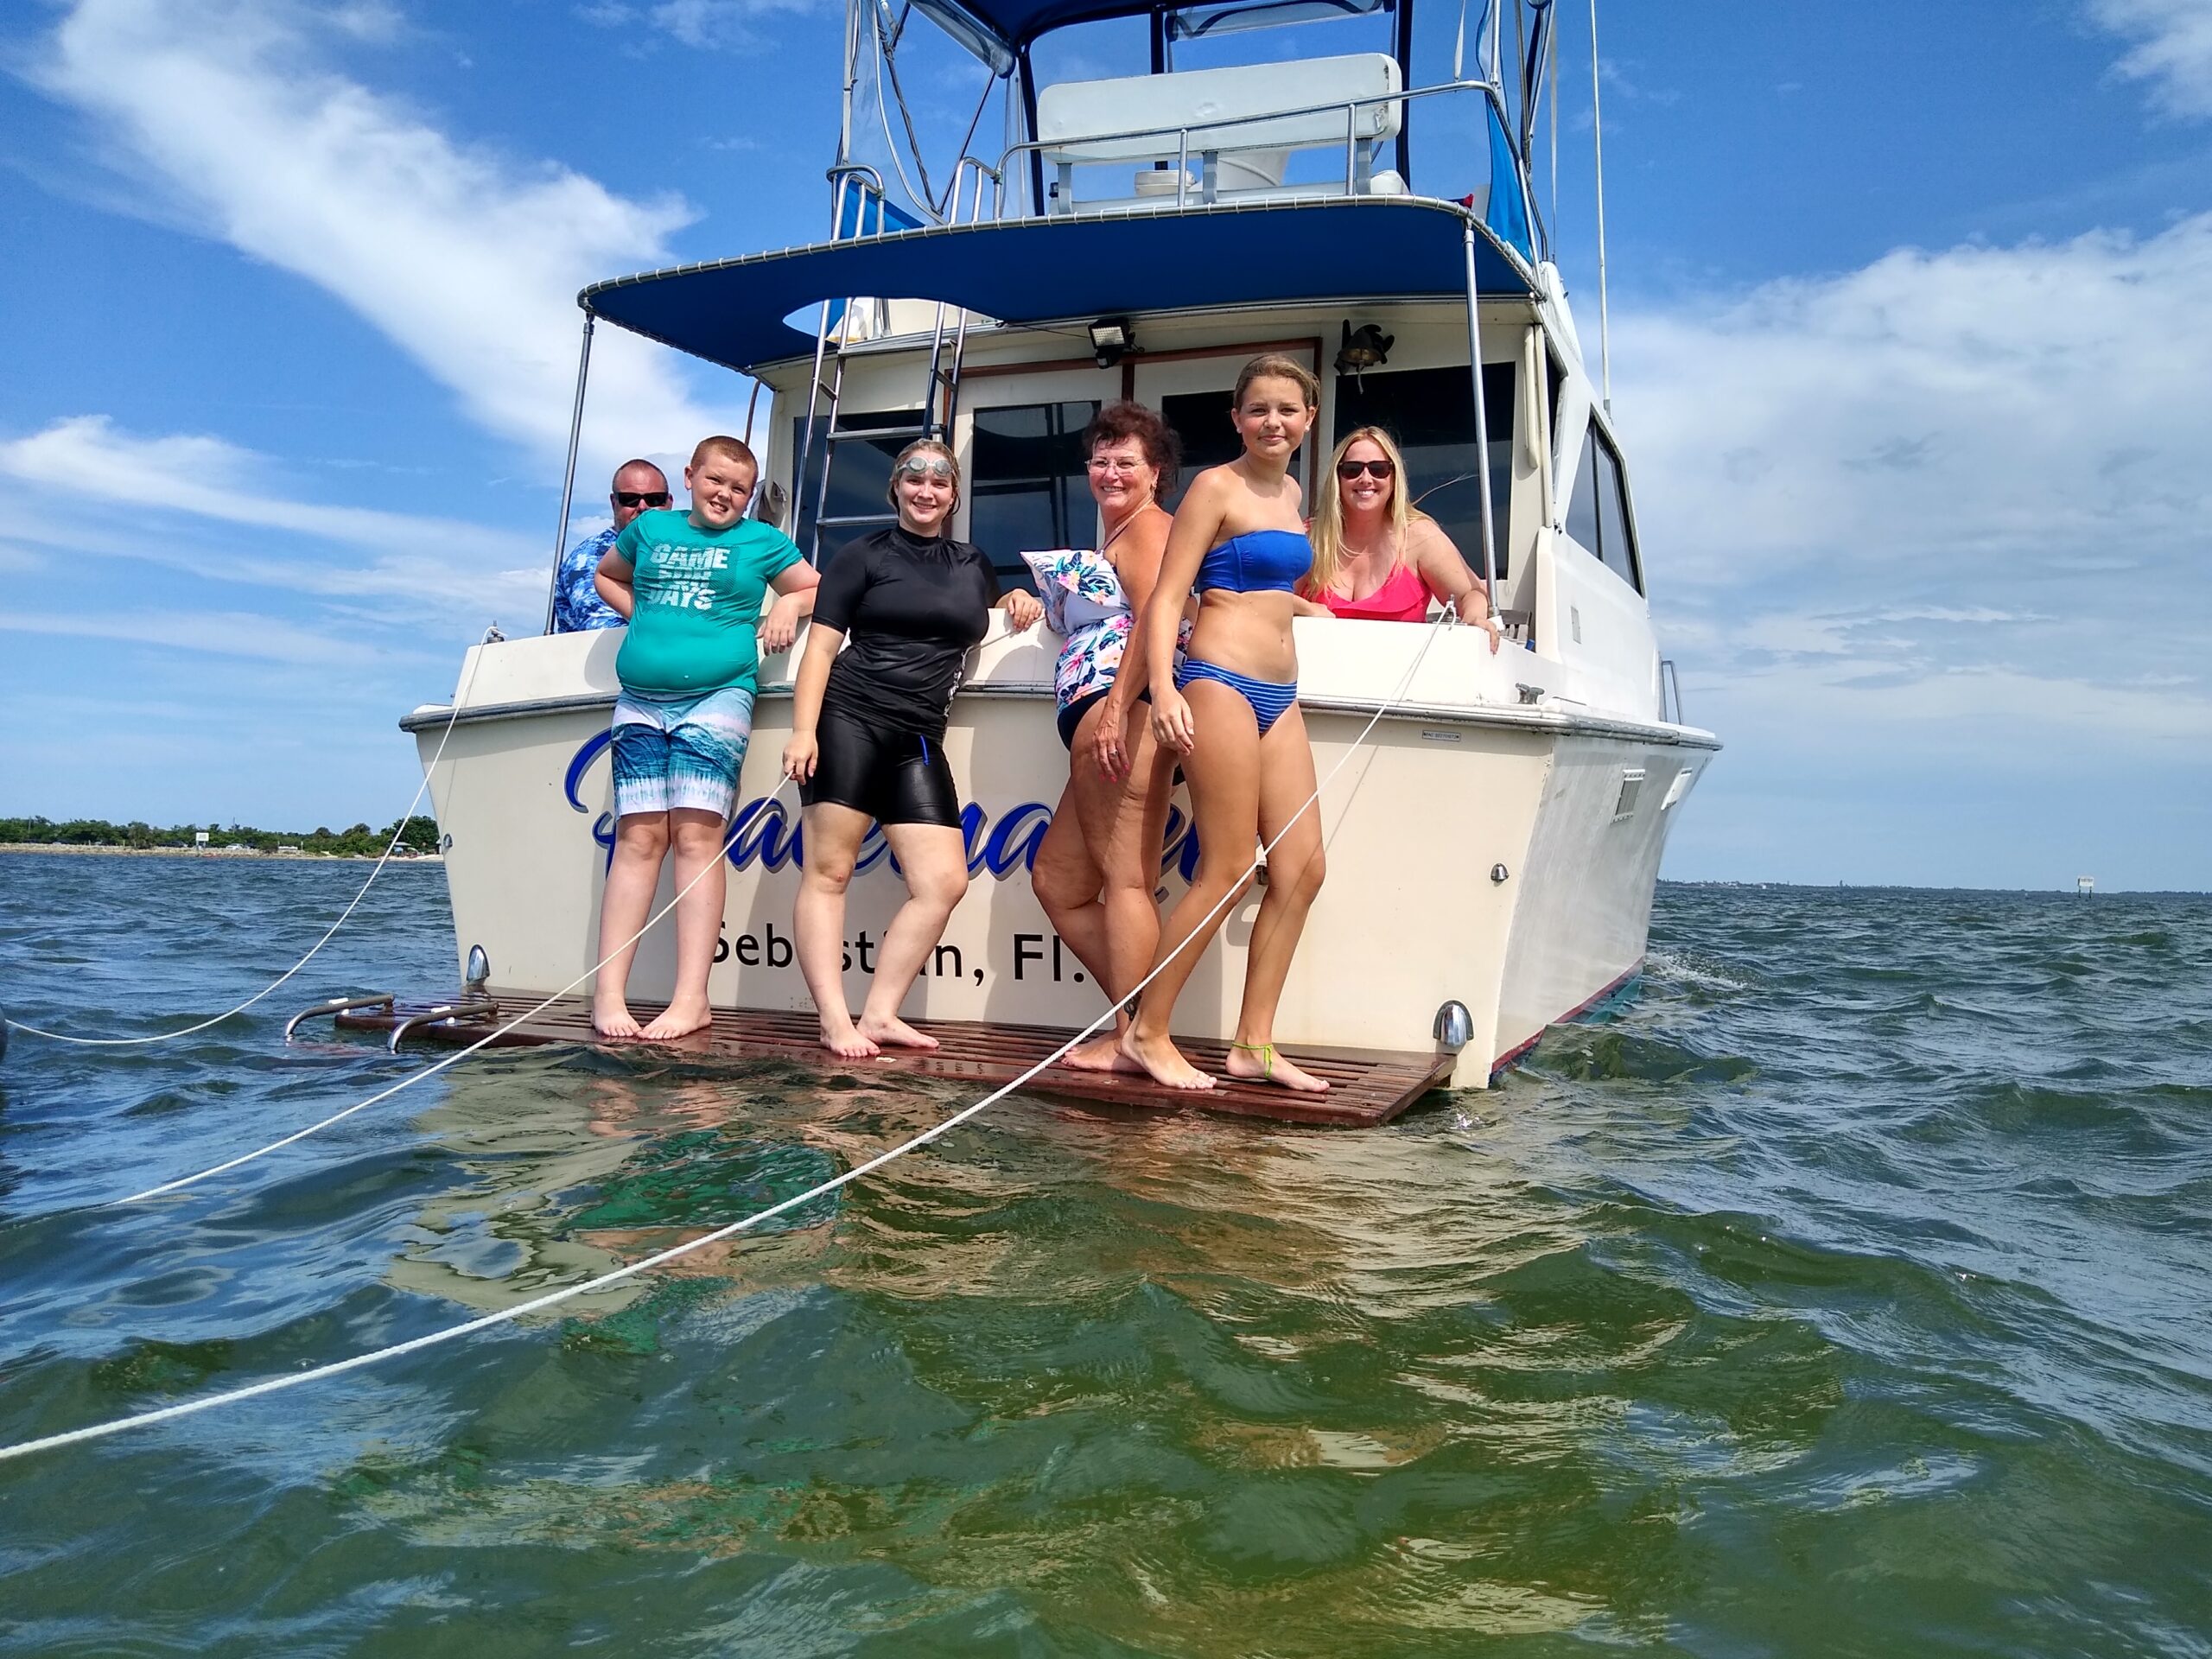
{"x":1842,"y":1291}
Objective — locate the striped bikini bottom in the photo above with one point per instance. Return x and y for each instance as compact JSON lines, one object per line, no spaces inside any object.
{"x":1270,"y":699}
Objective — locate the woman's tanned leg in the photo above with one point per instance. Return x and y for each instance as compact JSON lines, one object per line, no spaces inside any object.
{"x":834,"y":834}
{"x":1111,"y":853}
{"x":1295,"y":867}
{"x":1223,"y":767}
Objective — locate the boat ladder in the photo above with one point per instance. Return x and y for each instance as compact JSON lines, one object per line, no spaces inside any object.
{"x":861,"y":210}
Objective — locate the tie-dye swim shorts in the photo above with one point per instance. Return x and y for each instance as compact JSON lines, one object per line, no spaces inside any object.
{"x":672,"y":753}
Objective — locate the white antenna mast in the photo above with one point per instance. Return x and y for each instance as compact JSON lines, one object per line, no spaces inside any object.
{"x":1551,"y":74}
{"x":1598,"y":135}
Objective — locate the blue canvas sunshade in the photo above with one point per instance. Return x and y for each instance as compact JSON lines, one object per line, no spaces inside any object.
{"x":1037,"y":271}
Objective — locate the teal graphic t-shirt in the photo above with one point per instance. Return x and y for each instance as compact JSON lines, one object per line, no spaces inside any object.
{"x":699,"y":594}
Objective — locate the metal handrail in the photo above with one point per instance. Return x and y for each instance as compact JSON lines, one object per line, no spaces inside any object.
{"x":444,"y":1013}
{"x":1350,"y":107}
{"x":336,"y":1005}
{"x":1670,"y":680}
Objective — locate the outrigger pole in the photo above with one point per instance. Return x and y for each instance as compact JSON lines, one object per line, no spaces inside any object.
{"x":1482,"y":418}
{"x":568,"y":473}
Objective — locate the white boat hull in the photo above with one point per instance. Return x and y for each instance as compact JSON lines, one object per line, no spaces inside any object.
{"x":1479,"y":848}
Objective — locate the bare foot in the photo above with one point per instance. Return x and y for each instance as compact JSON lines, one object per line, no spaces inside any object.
{"x":1100,"y":1054}
{"x":895,"y":1032}
{"x":1164,"y":1061}
{"x":680,"y":1018}
{"x":841,"y":1038}
{"x":1271,"y":1065}
{"x":613,"y":1018}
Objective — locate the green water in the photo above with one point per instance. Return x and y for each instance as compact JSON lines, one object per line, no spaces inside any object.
{"x":1845,"y":1294}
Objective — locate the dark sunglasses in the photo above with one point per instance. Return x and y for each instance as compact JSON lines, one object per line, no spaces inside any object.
{"x":642,"y":498}
{"x":1348,"y":470}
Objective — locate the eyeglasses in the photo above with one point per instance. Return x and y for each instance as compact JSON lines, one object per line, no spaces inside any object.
{"x":1119,"y":464}
{"x":937,"y":471}
{"x":1348,"y":470}
{"x":641,"y":497}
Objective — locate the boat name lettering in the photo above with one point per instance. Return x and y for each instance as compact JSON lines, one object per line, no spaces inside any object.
{"x":766,"y":830}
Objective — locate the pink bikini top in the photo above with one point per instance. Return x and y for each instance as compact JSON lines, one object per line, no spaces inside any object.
{"x":1403,"y":598}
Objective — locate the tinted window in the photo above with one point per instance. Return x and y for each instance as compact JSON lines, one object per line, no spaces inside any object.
{"x":1616,"y":542}
{"x":1027,"y":487}
{"x":1597,"y":515}
{"x":1431,"y":413}
{"x":1200,"y":419}
{"x":1582,"y":506}
{"x":859,"y":474}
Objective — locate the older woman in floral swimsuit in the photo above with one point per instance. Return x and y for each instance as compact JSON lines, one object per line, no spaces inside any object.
{"x":1096,"y":870}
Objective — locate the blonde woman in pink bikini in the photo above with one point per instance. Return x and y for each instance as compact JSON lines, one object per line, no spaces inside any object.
{"x":1376,"y":558}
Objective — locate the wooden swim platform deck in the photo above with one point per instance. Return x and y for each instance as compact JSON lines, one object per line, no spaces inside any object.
{"x":1366,"y":1086}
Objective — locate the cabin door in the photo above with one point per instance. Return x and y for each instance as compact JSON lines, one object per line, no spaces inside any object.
{"x":1192,"y":389}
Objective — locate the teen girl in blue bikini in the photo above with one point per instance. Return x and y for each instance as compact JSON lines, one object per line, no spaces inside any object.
{"x":1232,"y":714}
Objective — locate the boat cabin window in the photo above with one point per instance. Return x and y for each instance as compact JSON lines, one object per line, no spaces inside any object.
{"x":1431,"y":413}
{"x":1200,"y":422}
{"x":1028,"y":486}
{"x":858,"y":471}
{"x":1598,"y":516}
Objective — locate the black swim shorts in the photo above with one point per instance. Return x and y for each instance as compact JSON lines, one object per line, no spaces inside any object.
{"x":894,"y":777}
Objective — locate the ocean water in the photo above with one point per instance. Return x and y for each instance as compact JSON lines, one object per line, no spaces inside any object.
{"x":1847,"y":1291}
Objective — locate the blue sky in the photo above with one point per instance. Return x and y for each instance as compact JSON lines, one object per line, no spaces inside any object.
{"x":1909,"y":348}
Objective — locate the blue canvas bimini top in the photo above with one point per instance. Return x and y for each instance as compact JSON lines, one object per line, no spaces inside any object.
{"x":1034,"y":270}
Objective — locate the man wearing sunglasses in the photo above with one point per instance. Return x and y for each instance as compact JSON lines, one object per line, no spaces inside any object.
{"x":576,"y":604}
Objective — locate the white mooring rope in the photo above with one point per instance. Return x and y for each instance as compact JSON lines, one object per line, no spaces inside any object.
{"x":505,"y":1315}
{"x":459,"y":697}
{"x":414,"y":1077}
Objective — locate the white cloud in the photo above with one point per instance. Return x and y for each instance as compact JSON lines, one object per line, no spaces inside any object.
{"x":1979,"y":414}
{"x":223,"y":633}
{"x":88,"y":456}
{"x":145,"y":484}
{"x":2172,"y":50}
{"x":469,"y":261}
{"x":1964,"y":484}
{"x":699,"y":24}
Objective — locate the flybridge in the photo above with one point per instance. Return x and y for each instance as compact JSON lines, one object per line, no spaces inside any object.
{"x":998,"y":31}
{"x":1107,"y":199}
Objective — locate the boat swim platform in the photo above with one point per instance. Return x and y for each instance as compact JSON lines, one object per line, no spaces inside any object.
{"x":1366,"y":1086}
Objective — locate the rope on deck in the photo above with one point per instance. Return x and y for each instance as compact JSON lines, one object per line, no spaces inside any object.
{"x":552,"y":1299}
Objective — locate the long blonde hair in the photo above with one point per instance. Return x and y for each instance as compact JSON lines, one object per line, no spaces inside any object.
{"x":1328,"y":530}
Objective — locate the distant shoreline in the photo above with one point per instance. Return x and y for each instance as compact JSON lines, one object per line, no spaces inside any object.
{"x":216,"y":853}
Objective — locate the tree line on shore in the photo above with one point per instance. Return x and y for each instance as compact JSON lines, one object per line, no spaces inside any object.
{"x":416,"y":835}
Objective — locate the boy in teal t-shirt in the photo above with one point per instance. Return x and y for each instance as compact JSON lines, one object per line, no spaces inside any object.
{"x":691,"y":585}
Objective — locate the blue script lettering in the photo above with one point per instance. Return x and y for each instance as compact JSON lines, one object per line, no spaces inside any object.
{"x":769,"y":831}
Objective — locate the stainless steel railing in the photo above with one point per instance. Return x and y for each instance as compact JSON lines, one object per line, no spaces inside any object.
{"x":1189,"y":136}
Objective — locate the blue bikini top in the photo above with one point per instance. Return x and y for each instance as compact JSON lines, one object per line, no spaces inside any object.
{"x":1258,"y":561}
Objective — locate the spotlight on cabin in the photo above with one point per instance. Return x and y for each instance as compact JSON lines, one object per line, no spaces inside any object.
{"x":1111,"y":339}
{"x":1364,"y":347}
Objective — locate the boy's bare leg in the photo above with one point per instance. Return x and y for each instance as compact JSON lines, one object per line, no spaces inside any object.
{"x":701,"y":879}
{"x":640,"y":842}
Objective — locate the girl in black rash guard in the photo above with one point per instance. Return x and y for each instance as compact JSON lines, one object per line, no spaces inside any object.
{"x":868,"y":736}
